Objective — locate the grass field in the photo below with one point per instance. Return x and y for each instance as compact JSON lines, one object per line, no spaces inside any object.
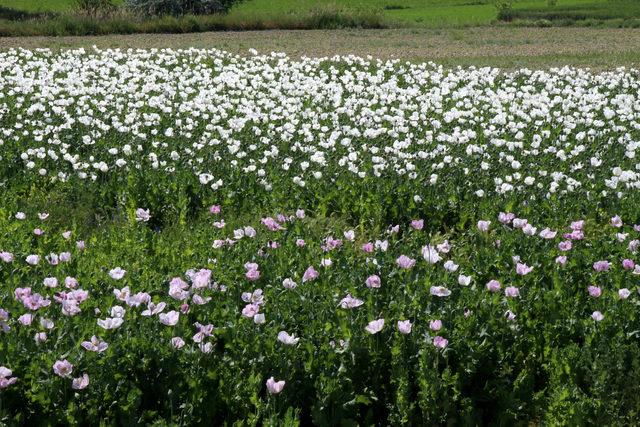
{"x":429,"y":13}
{"x":503,"y":47}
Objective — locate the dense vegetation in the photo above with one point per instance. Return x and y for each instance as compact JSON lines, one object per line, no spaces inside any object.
{"x":95,"y":17}
{"x":188,"y":236}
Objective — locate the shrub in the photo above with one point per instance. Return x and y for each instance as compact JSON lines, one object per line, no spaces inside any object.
{"x":93,"y":7}
{"x":505,"y":10}
{"x":179,"y":7}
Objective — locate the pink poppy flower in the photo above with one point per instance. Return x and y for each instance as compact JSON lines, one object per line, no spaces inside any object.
{"x":6,"y":377}
{"x":628,"y":264}
{"x":430,"y":254}
{"x":519,"y":222}
{"x":310,"y":274}
{"x":597,"y":316}
{"x":259,"y":319}
{"x":250,"y":310}
{"x":300,"y":243}
{"x":594,"y":291}
{"x":300,"y":214}
{"x":616,"y":221}
{"x":444,"y":247}
{"x":142,"y":215}
{"x":373,"y":281}
{"x":350,"y":235}
{"x":66,"y":234}
{"x":577,"y":225}
{"x":562,"y":260}
{"x":574,"y":235}
{"x":435,"y":325}
{"x":32,"y":259}
{"x":529,"y":230}
{"x":205,"y":347}
{"x":330,"y":244}
{"x":252,"y":275}
{"x":50,"y":282}
{"x":289,"y":284}
{"x":43,"y":215}
{"x":601,"y":266}
{"x":80,"y":245}
{"x":275,"y":387}
{"x":375,"y":326}
{"x":201,"y":278}
{"x":493,"y":286}
{"x":440,"y":342}
{"x":350,"y":302}
{"x":6,"y":257}
{"x":382,"y":245}
{"x":177,"y":342}
{"x":95,"y":345}
{"x":506,"y":218}
{"x":368,"y":247}
{"x":271,"y":224}
{"x":110,"y":322}
{"x":404,"y":261}
{"x":153,"y":309}
{"x":117,"y":273}
{"x":203,"y":332}
{"x":250,"y":232}
{"x":510,"y":315}
{"x":450,"y":266}
{"x":169,"y":319}
{"x":548,"y":234}
{"x":484,"y":225}
{"x":25,"y":319}
{"x":439,"y":291}
{"x":40,"y":337}
{"x":523,"y":269}
{"x":38,"y":232}
{"x":417,"y":224}
{"x":565,"y":245}
{"x":404,"y":326}
{"x":464,"y":280}
{"x":177,"y":289}
{"x":53,"y":259}
{"x":80,"y":383}
{"x":255,"y":297}
{"x":215,"y":209}
{"x":512,"y":292}
{"x":624,"y":293}
{"x":63,"y":368}
{"x":285,"y":338}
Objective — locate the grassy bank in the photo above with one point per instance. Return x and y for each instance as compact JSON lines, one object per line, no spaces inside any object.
{"x":122,"y":22}
{"x":61,"y":17}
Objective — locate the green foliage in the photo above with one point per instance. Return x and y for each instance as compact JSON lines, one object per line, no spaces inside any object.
{"x":93,"y":7}
{"x":505,"y":10}
{"x":576,"y":13}
{"x":179,"y":7}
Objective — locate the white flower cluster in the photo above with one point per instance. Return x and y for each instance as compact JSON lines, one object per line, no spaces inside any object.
{"x":224,"y":120}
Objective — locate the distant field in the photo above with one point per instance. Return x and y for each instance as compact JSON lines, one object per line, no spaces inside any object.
{"x":429,"y":13}
{"x":504,"y":47}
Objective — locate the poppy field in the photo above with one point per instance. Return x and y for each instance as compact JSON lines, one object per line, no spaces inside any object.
{"x":189,"y":237}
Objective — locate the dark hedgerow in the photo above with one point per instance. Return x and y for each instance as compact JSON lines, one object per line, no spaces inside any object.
{"x":179,"y":7}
